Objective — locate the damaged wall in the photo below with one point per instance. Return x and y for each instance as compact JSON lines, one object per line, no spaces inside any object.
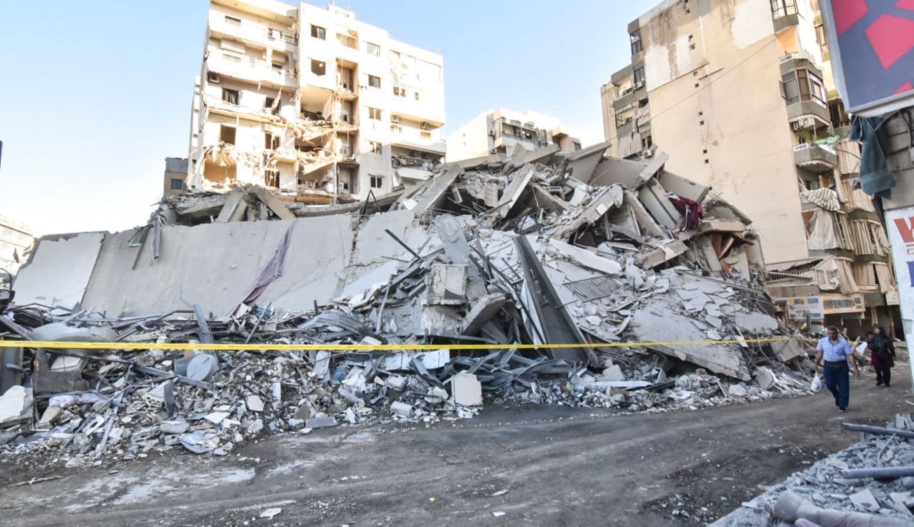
{"x":44,"y":280}
{"x":217,"y":278}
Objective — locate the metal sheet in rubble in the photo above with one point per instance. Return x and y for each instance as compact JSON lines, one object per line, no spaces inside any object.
{"x":596,"y":288}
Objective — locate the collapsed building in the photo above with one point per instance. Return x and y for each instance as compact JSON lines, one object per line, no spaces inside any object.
{"x":583,"y":279}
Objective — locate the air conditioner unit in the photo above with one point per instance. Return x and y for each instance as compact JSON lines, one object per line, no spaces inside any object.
{"x":639,"y":85}
{"x":213,"y":77}
{"x":344,"y":150}
{"x":491,"y":133}
{"x":395,"y":118}
{"x":795,"y":125}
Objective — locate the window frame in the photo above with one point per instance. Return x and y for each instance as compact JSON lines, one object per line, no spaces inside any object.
{"x":318,"y":32}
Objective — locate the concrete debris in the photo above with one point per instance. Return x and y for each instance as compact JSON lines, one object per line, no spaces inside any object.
{"x":543,"y":248}
{"x":831,"y":493}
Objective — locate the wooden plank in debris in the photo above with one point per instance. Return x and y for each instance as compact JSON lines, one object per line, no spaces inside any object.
{"x":275,"y":204}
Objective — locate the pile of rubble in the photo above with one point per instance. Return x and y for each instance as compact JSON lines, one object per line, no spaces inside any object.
{"x":870,"y":483}
{"x":579,"y":279}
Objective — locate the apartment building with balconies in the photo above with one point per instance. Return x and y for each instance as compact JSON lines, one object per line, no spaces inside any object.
{"x":739,"y":93}
{"x":501,"y":130}
{"x":16,"y":239}
{"x":311,"y":102}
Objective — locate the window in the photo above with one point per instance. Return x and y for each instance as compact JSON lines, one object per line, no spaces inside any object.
{"x":838,"y":114}
{"x":231,"y":58}
{"x":177,"y":184}
{"x":227,"y":134}
{"x":782,"y":8}
{"x":277,"y":66}
{"x":400,"y":92}
{"x":271,"y":142}
{"x":425,"y":135}
{"x":801,"y":85}
{"x":639,"y":76}
{"x":374,"y":114}
{"x":230,"y":96}
{"x":636,"y":43}
{"x":373,"y":49}
{"x":820,"y":37}
{"x":318,"y":68}
{"x":417,"y":95}
{"x":575,"y":145}
{"x":374,"y":82}
{"x":232,"y":21}
{"x":374,"y":148}
{"x":270,"y":101}
{"x":377,"y":182}
{"x":318,"y":32}
{"x":395,"y":128}
{"x":271,"y":177}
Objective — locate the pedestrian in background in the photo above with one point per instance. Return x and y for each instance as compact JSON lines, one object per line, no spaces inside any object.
{"x":882,"y":356}
{"x":836,"y":352}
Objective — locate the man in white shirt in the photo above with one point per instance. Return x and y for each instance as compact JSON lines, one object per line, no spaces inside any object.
{"x":836,"y":352}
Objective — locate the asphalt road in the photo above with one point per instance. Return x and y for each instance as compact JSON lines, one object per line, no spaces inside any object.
{"x":537,"y":466}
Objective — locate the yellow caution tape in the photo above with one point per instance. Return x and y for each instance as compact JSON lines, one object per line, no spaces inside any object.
{"x":134,"y":346}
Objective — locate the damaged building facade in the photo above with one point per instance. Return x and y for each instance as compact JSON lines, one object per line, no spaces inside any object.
{"x":499,"y":130}
{"x":740,"y":94}
{"x":312,"y":103}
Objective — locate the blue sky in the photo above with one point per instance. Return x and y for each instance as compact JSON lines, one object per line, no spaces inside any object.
{"x":95,"y":94}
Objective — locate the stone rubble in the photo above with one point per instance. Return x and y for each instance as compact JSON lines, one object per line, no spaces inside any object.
{"x":536,"y":248}
{"x":826,"y":484}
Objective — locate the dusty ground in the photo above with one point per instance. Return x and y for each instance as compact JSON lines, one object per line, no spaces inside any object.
{"x":538,"y":466}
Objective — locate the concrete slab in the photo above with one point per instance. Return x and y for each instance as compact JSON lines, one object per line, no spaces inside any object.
{"x":213,"y":265}
{"x":682,"y":187}
{"x":59,"y":271}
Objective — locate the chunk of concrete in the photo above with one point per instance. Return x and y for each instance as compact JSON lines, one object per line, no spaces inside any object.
{"x":254,"y":403}
{"x":736,"y":390}
{"x":466,"y":390}
{"x":483,"y":311}
{"x":613,"y":373}
{"x":321,"y":421}
{"x":447,"y":285}
{"x":174,"y":427}
{"x":864,"y":500}
{"x":14,"y":404}
{"x":764,"y":377}
{"x":587,"y":259}
{"x":401,"y":409}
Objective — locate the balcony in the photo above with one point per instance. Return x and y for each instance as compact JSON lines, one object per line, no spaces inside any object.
{"x":412,"y":139}
{"x":630,"y":97}
{"x":254,"y":33}
{"x":251,"y":70}
{"x":784,"y":13}
{"x":814,"y":158}
{"x":808,"y":115}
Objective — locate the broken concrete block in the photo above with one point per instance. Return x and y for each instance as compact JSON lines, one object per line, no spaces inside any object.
{"x":466,"y":390}
{"x":321,"y":421}
{"x":483,"y":311}
{"x":48,"y":417}
{"x":216,"y":417}
{"x":613,"y":373}
{"x":396,"y":382}
{"x":447,"y":285}
{"x":401,"y":409}
{"x":736,"y":390}
{"x":764,"y":377}
{"x":303,"y":413}
{"x":864,"y":500}
{"x":15,"y":404}
{"x":254,"y":403}
{"x":174,"y":427}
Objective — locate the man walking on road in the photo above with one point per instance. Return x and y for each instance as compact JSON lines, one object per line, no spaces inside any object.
{"x":836,"y":352}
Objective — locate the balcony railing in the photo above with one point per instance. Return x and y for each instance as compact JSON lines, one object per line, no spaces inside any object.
{"x":251,"y":69}
{"x":256,"y":33}
{"x":814,"y":158}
